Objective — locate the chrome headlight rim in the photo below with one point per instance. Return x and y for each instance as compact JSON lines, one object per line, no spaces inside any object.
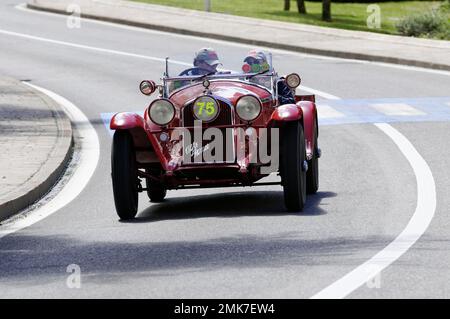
{"x":158,"y":101}
{"x":216,"y":102}
{"x":253,"y":97}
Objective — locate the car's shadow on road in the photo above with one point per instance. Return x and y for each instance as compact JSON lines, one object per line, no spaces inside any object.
{"x":233,"y":204}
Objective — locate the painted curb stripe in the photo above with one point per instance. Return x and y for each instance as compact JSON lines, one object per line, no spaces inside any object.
{"x":88,"y":158}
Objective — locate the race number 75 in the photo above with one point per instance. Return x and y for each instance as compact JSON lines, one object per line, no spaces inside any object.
{"x":209,"y":108}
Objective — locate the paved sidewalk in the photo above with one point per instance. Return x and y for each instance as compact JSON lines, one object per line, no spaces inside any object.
{"x":35,"y":144}
{"x":296,"y":37}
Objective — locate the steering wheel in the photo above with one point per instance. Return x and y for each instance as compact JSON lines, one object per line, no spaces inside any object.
{"x":186,"y":72}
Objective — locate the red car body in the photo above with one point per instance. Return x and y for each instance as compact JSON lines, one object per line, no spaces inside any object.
{"x":151,"y":151}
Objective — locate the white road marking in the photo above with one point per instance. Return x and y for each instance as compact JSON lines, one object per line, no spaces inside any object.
{"x":397,"y":109}
{"x":327,"y":112}
{"x":88,"y":158}
{"x":23,"y":7}
{"x":86,"y":47}
{"x":319,"y":93}
{"x":418,"y":224}
{"x":134,"y":55}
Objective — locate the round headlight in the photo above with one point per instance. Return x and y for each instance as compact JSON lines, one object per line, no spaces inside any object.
{"x":205,"y":108}
{"x":147,"y":87}
{"x":161,"y":112}
{"x":248,"y":107}
{"x":293,"y":80}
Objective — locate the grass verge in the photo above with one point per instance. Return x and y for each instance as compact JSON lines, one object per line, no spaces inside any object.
{"x":352,"y":16}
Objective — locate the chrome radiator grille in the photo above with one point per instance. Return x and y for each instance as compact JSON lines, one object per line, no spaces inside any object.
{"x":225,"y":117}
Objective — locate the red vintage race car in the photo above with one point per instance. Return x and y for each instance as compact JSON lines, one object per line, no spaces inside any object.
{"x":215,"y":130}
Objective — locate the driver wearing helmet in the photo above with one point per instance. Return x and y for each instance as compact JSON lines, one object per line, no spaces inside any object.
{"x":256,"y":61}
{"x":205,"y":61}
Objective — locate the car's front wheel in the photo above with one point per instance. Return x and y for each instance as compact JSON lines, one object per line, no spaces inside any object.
{"x":312,"y":175}
{"x":156,"y":191}
{"x":124,"y":175}
{"x":293,"y":166}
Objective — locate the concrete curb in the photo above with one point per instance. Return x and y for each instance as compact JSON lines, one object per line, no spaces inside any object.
{"x":294,"y":48}
{"x":50,"y":172}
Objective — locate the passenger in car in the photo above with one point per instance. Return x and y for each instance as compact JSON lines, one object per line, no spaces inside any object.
{"x":255,"y":57}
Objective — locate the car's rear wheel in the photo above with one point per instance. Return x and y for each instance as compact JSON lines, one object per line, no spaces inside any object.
{"x":293,"y":168}
{"x":312,"y":175}
{"x":156,"y":191}
{"x":124,"y":175}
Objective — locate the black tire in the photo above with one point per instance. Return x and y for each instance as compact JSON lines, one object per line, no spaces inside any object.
{"x":293,"y":176}
{"x":312,"y":175}
{"x":124,"y":175}
{"x":155,"y":191}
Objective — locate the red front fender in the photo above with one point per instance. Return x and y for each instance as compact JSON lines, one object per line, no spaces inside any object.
{"x":134,"y":124}
{"x":126,"y":120}
{"x":304,"y":111}
{"x":309,"y":124}
{"x":285,"y":113}
{"x":143,"y":141}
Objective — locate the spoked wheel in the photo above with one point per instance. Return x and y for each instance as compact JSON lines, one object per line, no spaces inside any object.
{"x":155,"y":191}
{"x":293,"y":166}
{"x":312,"y":175}
{"x":124,"y":175}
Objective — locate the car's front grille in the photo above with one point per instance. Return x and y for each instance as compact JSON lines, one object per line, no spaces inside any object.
{"x":225,"y":117}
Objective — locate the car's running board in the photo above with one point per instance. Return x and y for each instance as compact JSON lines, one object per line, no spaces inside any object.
{"x":225,"y":185}
{"x":265,"y":184}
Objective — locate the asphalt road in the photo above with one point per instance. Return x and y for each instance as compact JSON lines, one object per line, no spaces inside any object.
{"x":230,"y":242}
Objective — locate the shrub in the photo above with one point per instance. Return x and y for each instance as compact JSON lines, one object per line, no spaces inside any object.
{"x":428,"y":24}
{"x":445,"y":7}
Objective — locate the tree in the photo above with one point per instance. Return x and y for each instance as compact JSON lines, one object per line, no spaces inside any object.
{"x":287,"y":5}
{"x":301,"y":6}
{"x":326,"y":10}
